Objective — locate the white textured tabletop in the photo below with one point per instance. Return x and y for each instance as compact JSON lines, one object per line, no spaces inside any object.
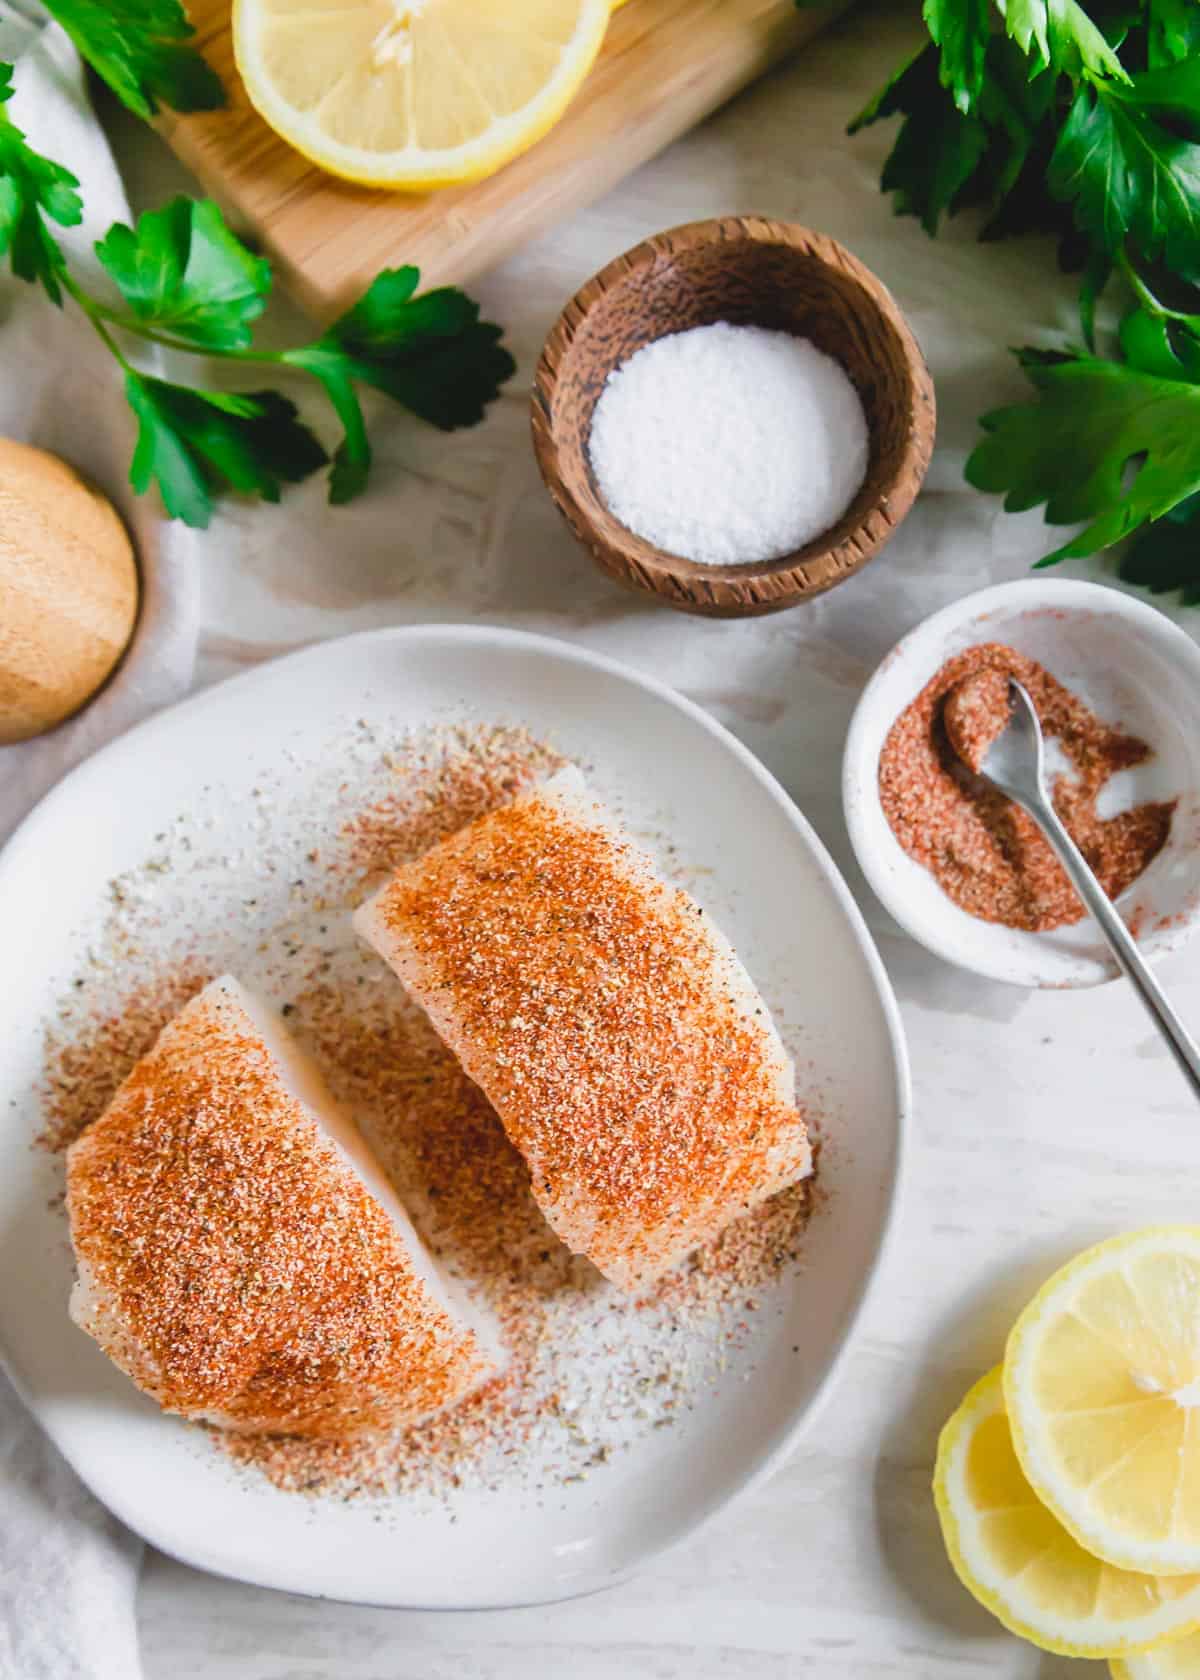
{"x":1042,"y":1121}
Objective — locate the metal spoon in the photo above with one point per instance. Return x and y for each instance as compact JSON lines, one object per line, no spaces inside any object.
{"x":1016,"y":764}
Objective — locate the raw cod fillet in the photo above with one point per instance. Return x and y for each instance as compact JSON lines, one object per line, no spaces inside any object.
{"x":240,"y":1255}
{"x":608,"y":1021}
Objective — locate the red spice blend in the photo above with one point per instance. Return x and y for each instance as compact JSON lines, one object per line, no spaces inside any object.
{"x":984,"y":851}
{"x":239,"y":1267}
{"x":596,"y":1009}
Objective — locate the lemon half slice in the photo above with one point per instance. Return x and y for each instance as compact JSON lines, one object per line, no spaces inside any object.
{"x":414,"y":93}
{"x":1102,"y":1384}
{"x":1010,"y":1552}
{"x":1179,"y":1660}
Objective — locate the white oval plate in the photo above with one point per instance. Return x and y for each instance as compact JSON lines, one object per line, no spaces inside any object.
{"x":665,"y":764}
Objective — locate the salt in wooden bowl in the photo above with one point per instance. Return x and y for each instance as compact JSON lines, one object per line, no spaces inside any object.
{"x":751,"y":272}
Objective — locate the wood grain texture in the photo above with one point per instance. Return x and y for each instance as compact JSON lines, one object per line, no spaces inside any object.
{"x":665,"y":65}
{"x":68,"y":590}
{"x":750,"y":271}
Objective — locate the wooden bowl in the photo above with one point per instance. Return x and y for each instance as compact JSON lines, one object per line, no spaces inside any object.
{"x":749,"y":271}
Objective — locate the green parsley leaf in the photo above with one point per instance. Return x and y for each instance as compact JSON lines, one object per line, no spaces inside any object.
{"x":1096,"y":274}
{"x":194,"y":443}
{"x":939,"y":147}
{"x":1029,"y":26}
{"x":1011,"y":180}
{"x":1173,"y":31}
{"x":140,"y":48}
{"x":182,"y":271}
{"x":32,"y":188}
{"x":450,"y":382}
{"x":380,"y":312}
{"x":352,"y":457}
{"x":1171,"y":90}
{"x":1127,"y":175}
{"x":1165,"y":555}
{"x":960,"y":29}
{"x":431,"y":353}
{"x":1059,"y":35}
{"x":1104,"y":442}
{"x":434,"y":355}
{"x":1167,"y":349}
{"x":1082,"y":118}
{"x":945,"y":160}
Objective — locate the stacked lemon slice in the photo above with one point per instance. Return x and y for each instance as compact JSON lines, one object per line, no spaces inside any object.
{"x":414,"y":93}
{"x":1068,"y":1481}
{"x":1179,"y":1659}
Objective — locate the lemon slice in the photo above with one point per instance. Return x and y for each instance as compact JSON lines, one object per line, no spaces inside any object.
{"x":1178,"y":1660}
{"x":419,"y":94}
{"x":1102,"y":1383}
{"x":1010,"y":1552}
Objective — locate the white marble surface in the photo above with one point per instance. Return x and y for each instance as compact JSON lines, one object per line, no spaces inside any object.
{"x":1042,"y":1122}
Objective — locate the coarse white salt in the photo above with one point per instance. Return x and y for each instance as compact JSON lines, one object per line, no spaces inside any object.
{"x":727,"y":444}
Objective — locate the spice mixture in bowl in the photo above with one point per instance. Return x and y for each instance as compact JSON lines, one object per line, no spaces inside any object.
{"x":987,"y":854}
{"x":1117,"y":687}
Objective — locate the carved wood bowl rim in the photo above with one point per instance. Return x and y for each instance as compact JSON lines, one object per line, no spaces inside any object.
{"x":898,"y":461}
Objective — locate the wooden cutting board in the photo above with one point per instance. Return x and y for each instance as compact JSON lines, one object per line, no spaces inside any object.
{"x":665,"y":65}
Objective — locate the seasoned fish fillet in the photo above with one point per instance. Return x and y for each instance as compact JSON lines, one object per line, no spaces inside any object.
{"x":240,"y":1255}
{"x":609,"y":1023}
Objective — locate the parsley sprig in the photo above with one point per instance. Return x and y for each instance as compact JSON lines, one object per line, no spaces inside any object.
{"x":143,"y":50}
{"x":182,"y":280}
{"x":1082,"y":121}
{"x":33,"y":192}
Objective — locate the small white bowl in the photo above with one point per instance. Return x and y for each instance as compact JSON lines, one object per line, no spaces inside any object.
{"x":1136,"y":668}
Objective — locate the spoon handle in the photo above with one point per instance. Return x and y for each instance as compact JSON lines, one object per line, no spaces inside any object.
{"x":1121,"y":942}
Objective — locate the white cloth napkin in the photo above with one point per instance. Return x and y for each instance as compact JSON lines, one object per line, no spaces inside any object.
{"x":60,"y":388}
{"x":68,"y":1571}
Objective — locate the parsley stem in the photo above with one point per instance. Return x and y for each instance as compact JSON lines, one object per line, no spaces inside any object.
{"x":95,"y":313}
{"x":139,"y":329}
{"x":1149,"y":301}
